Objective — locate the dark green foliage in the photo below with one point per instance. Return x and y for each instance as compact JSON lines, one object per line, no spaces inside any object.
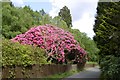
{"x":106,"y":27}
{"x":107,"y":30}
{"x":17,"y":54}
{"x":110,"y":67}
{"x":66,"y":16}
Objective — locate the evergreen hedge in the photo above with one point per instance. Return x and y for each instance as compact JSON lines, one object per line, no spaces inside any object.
{"x":17,"y":54}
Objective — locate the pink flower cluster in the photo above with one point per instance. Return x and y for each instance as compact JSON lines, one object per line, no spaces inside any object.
{"x":53,"y":39}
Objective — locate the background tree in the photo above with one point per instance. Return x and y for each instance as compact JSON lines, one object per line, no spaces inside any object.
{"x":57,"y":21}
{"x":106,"y":27}
{"x":16,"y":20}
{"x":107,"y":30}
{"x":66,"y":16}
{"x":42,"y":12}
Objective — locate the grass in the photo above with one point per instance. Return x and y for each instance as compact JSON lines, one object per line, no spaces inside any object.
{"x":61,"y":75}
{"x":91,"y":63}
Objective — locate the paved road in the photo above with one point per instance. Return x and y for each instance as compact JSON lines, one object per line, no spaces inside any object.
{"x":87,"y":74}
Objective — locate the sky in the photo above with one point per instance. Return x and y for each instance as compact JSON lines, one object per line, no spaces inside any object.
{"x":83,"y":11}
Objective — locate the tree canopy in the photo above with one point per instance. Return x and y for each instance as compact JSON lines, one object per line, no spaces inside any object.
{"x":107,"y":30}
{"x":66,"y":16}
{"x":16,"y":20}
{"x":107,"y":27}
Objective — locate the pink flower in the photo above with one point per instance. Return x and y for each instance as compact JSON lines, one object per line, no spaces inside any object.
{"x":52,"y":39}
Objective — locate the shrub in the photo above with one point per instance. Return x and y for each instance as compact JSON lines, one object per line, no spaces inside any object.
{"x":56,"y":42}
{"x":17,"y":54}
{"x":110,"y":67}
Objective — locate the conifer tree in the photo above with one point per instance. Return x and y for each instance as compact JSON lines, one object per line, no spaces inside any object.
{"x":107,"y":28}
{"x":66,"y":16}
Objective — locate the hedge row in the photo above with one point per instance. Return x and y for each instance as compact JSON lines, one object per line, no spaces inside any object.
{"x":17,"y":54}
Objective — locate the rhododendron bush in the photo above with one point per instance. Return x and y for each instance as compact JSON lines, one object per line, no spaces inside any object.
{"x":58,"y":44}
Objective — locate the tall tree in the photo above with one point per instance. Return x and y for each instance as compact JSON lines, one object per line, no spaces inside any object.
{"x":107,"y":25}
{"x":107,"y":30}
{"x":66,"y":16}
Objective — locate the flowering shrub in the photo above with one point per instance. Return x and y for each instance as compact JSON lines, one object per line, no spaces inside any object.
{"x":57,"y":43}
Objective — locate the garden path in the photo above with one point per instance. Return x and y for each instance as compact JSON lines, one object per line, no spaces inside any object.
{"x":88,"y":74}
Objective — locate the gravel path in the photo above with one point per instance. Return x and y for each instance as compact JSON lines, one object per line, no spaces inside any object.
{"x":87,"y":74}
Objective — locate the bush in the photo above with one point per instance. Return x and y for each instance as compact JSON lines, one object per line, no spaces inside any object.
{"x":110,"y":67}
{"x":17,"y":54}
{"x":57,"y":43}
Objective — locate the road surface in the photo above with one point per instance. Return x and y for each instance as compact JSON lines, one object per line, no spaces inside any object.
{"x":87,"y":74}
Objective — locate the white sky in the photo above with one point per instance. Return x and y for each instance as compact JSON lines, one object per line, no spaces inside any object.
{"x":82,"y":11}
